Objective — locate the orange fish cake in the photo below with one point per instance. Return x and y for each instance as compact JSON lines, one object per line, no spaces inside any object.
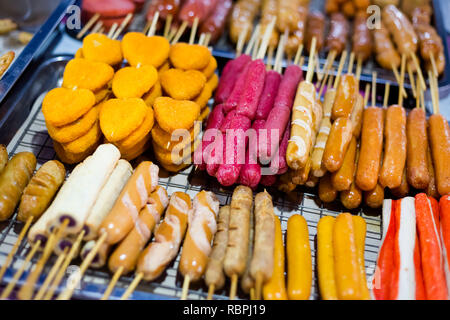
{"x":155,"y":92}
{"x":131,"y":82}
{"x":173,"y":114}
{"x":74,"y":130}
{"x":174,"y":168}
{"x":213,"y":82}
{"x":210,"y":68}
{"x":140,"y":133}
{"x":72,"y":158}
{"x":189,"y":56}
{"x":98,"y":47}
{"x":183,"y":85}
{"x":85,"y":142}
{"x":203,"y":98}
{"x":135,"y":151}
{"x":102,"y":95}
{"x":204,"y":115}
{"x":62,"y":106}
{"x":173,"y":157}
{"x":120,"y":117}
{"x":164,"y":139}
{"x":138,"y":49}
{"x":164,"y":67}
{"x":79,"y":53}
{"x":86,"y":74}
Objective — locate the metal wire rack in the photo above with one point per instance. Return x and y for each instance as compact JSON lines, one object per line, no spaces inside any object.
{"x":33,"y":137}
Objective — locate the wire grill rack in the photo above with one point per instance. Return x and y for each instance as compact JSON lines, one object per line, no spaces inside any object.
{"x":33,"y":137}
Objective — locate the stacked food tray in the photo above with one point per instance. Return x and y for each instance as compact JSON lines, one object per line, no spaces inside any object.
{"x":30,"y":134}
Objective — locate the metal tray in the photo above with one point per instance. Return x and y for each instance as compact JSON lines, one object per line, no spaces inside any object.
{"x":32,"y":136}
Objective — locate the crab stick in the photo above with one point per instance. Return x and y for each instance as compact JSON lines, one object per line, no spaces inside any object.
{"x":444,"y":206}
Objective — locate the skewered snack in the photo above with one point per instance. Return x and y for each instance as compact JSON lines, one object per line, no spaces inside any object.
{"x":165,"y":8}
{"x":275,"y":288}
{"x":238,"y":235}
{"x":13,"y":180}
{"x":201,"y":231}
{"x":341,"y":134}
{"x":196,"y":9}
{"x":189,"y":56}
{"x":374,"y":198}
{"x":439,"y":133}
{"x":326,"y":191}
{"x":386,"y":54}
{"x":132,"y":199}
{"x":168,"y":237}
{"x":299,"y":271}
{"x":269,"y":11}
{"x":215,"y":23}
{"x":297,"y":35}
{"x":325,"y":259}
{"x":40,"y":191}
{"x":444,"y":214}
{"x":342,"y":179}
{"x":5,"y":61}
{"x":362,"y":39}
{"x":3,"y":157}
{"x":110,"y":12}
{"x":130,"y":82}
{"x":87,"y":74}
{"x":140,"y":50}
{"x":172,"y":115}
{"x":339,"y":31}
{"x":126,"y":254}
{"x":242,"y":16}
{"x":183,"y":85}
{"x":106,"y":198}
{"x":214,"y":274}
{"x":247,"y":281}
{"x":287,"y":15}
{"x":99,"y":48}
{"x":401,"y":29}
{"x":315,"y":28}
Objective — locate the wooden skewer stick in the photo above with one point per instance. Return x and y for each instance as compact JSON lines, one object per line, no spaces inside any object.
{"x":255,"y":48}
{"x":386,"y":94}
{"x":310,"y":72}
{"x":112,"y":30}
{"x":26,"y":292}
{"x":411,"y":80}
{"x":132,"y":286}
{"x":179,"y":32}
{"x":202,"y":39}
{"x":397,"y":77}
{"x":147,"y":26}
{"x":152,"y":30}
{"x":433,"y":65}
{"x":193,"y":31}
{"x":252,"y":41}
{"x":419,"y":70}
{"x":123,"y":25}
{"x":366,"y":95}
{"x":211,"y":292}
{"x":329,"y":84}
{"x":319,"y":72}
{"x":298,"y":55}
{"x":351,"y":63}
{"x":266,"y":38}
{"x":241,"y":41}
{"x":302,"y":61}
{"x":97,"y":27}
{"x":374,"y":88}
{"x":207,"y":39}
{"x":59,"y":276}
{"x":102,"y":29}
{"x":358,"y":70}
{"x":167,"y":26}
{"x":68,"y":291}
{"x":402,"y":79}
{"x":112,"y":284}
{"x":434,"y":92}
{"x":419,"y":93}
{"x":172,"y":34}
{"x":330,"y":60}
{"x":185,"y":290}
{"x":18,"y":274}
{"x":51,"y":274}
{"x":88,"y":25}
{"x":16,"y":246}
{"x":341,"y":67}
{"x":279,"y":55}
{"x":233,"y":288}
{"x":270,"y":58}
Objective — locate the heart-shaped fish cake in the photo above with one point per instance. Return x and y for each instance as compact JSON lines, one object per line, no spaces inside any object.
{"x":131,"y":82}
{"x":98,"y":47}
{"x":175,"y":114}
{"x":120,"y":117}
{"x":86,"y":74}
{"x":62,"y":106}
{"x":189,"y":56}
{"x":138,"y":49}
{"x":183,"y":85}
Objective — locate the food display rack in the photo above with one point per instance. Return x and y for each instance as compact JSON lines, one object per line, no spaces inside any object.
{"x":22,"y":128}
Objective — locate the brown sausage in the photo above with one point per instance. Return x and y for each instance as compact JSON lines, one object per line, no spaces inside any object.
{"x":371,"y":148}
{"x":339,"y":29}
{"x":362,"y":39}
{"x":357,"y":115}
{"x":262,"y":260}
{"x":341,"y":134}
{"x":394,"y":148}
{"x":127,"y":253}
{"x":351,"y":199}
{"x":346,"y":97}
{"x":416,"y":160}
{"x":247,"y":281}
{"x":214,"y":274}
{"x":242,"y":16}
{"x":239,"y":229}
{"x":315,"y":27}
{"x":403,"y":190}
{"x":3,"y":157}
{"x":431,"y":189}
{"x":401,"y":29}
{"x":297,"y":36}
{"x":386,"y":54}
{"x":374,"y":199}
{"x":439,"y":133}
{"x":13,"y":180}
{"x":343,"y":178}
{"x":40,"y":191}
{"x":327,"y":193}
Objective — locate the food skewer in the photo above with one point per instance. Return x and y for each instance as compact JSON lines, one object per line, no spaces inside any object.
{"x":179,"y":33}
{"x":14,"y":249}
{"x":386,"y":94}
{"x":411,"y":80}
{"x":88,"y":25}
{"x":26,"y":291}
{"x":112,"y":283}
{"x":152,"y":29}
{"x":122,"y":26}
{"x":397,"y":77}
{"x":68,"y":292}
{"x":51,"y":275}
{"x":112,"y":30}
{"x":167,"y":25}
{"x":97,"y":27}
{"x":193,"y":31}
{"x":402,"y":79}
